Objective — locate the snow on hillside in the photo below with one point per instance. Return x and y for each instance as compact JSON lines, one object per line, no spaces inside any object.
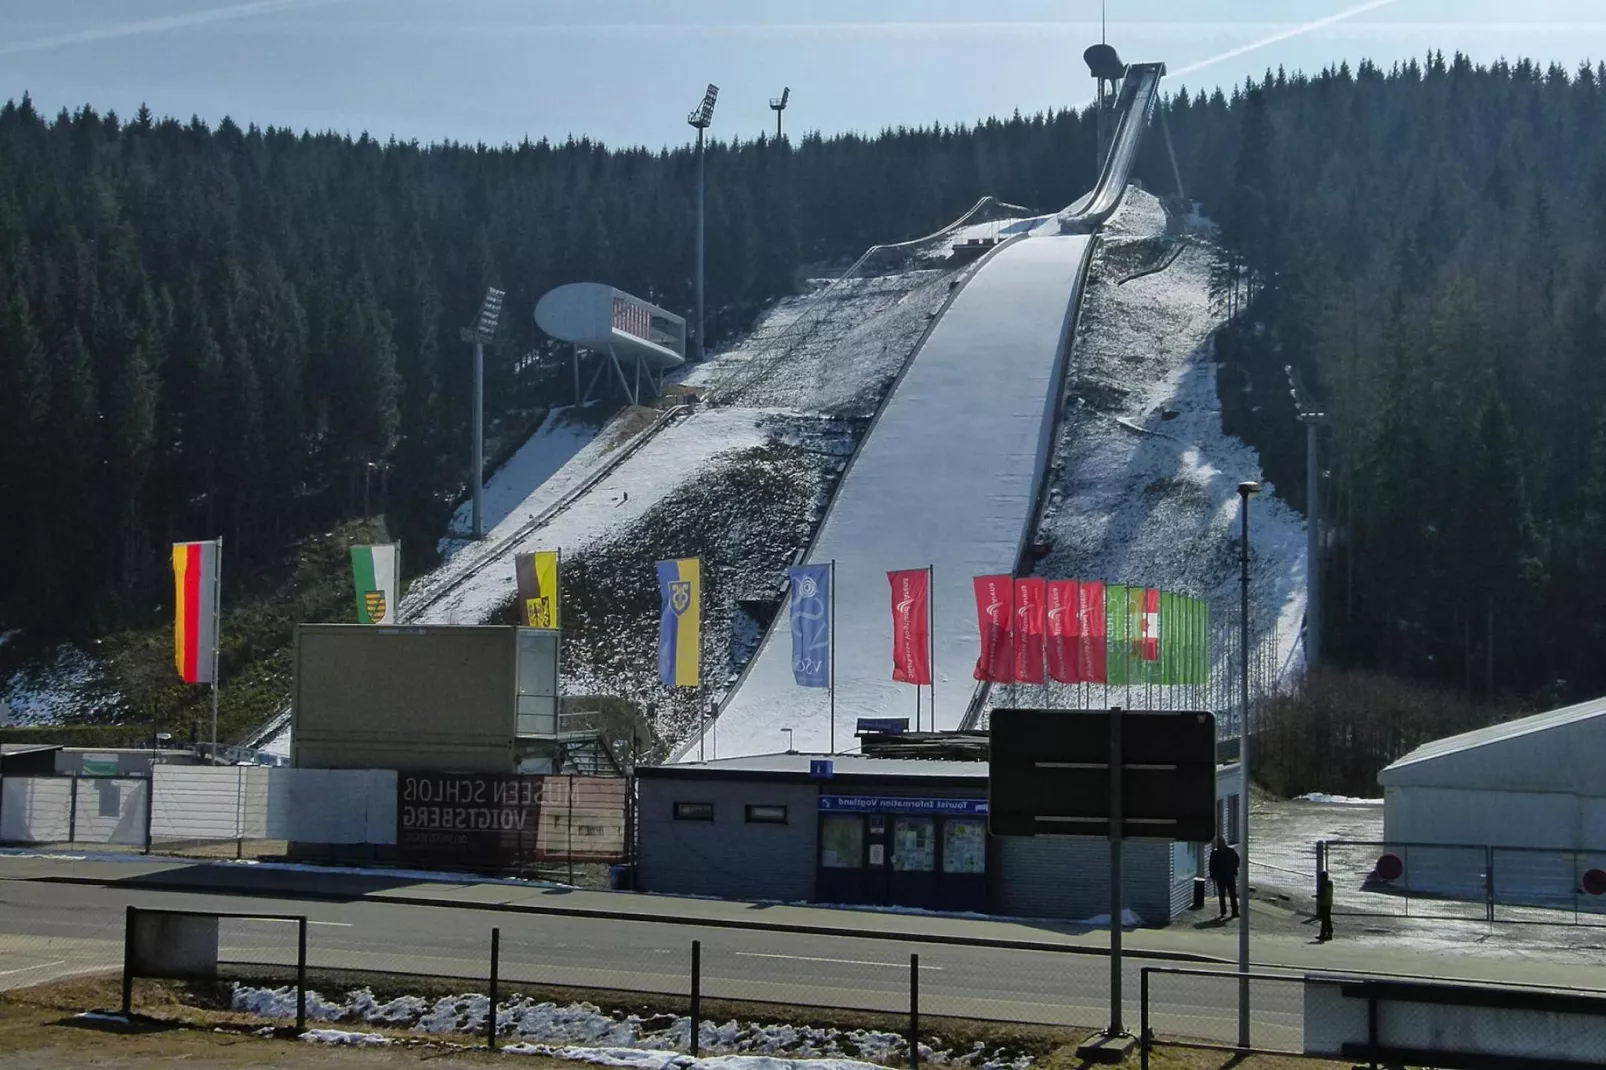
{"x":53,"y":685}
{"x":678,"y":453}
{"x":562,"y":435}
{"x":1144,"y":485}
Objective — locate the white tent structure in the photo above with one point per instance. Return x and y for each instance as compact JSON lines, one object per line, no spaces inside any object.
{"x":1534,"y":782}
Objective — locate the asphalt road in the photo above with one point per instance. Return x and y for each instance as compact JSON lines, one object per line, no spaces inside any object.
{"x":50,"y":930}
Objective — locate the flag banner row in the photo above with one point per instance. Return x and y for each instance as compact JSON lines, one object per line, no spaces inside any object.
{"x":680,"y":590}
{"x":195,"y":610}
{"x":1077,"y":632}
{"x":376,"y":578}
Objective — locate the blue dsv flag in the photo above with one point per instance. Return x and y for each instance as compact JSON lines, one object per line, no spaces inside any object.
{"x":811,"y":625}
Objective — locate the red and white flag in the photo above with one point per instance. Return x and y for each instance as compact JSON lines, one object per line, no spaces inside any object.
{"x":1090,"y":662}
{"x":995,"y":615}
{"x":1148,"y":644}
{"x":1030,"y":593}
{"x":1059,"y":623}
{"x":911,"y":631}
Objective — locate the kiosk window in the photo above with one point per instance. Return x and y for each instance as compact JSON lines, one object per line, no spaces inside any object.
{"x":842,"y":841}
{"x":914,"y":845}
{"x":760,"y":814}
{"x":694,"y":811}
{"x":964,"y":846}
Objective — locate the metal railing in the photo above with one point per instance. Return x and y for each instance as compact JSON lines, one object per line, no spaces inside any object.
{"x":1197,"y":1008}
{"x":1478,"y":882}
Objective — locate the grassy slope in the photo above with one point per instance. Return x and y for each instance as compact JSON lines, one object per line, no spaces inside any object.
{"x":311,"y":582}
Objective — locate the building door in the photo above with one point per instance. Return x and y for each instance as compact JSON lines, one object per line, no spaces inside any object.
{"x":963,"y":884}
{"x":913,"y":880}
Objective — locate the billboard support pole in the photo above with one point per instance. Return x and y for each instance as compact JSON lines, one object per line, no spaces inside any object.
{"x":1116,"y":911}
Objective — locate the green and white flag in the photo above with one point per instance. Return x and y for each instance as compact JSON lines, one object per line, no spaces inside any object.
{"x":377,"y":571}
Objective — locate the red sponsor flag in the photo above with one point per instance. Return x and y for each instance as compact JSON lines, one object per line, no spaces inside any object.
{"x":1060,"y":625}
{"x":911,"y":634}
{"x":995,"y":615}
{"x":1089,"y":665}
{"x":195,"y":566}
{"x":1148,"y":639}
{"x":1030,"y":593}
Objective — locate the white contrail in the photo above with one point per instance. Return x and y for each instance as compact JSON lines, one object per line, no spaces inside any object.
{"x":156,"y":25}
{"x":1278,"y":38}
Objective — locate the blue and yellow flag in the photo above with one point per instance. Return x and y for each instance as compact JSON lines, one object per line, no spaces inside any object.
{"x":680,"y":586}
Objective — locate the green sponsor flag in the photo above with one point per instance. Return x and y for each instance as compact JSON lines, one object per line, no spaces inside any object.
{"x":1117,"y":636}
{"x":1173,"y":638}
{"x":376,"y":571}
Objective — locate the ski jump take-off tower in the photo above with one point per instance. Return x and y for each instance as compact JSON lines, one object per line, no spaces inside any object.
{"x":613,"y":330}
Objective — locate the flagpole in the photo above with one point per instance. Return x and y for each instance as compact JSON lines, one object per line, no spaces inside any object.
{"x":396,"y":582}
{"x":833,"y":655}
{"x":217,"y":629}
{"x":931,"y":638}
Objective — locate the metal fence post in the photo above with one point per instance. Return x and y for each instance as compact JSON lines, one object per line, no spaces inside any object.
{"x":1143,"y":1018}
{"x":128,"y":960}
{"x":914,"y":1012}
{"x":1488,"y":882}
{"x":239,"y":811}
{"x":72,"y":812}
{"x":490,"y":1014}
{"x":150,"y":806}
{"x":696,"y":993}
{"x":301,"y":974}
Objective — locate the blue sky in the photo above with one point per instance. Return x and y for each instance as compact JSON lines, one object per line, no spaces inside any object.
{"x":628,"y":71}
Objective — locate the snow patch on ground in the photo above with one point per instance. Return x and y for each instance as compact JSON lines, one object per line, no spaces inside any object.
{"x":1129,"y":920}
{"x":584,"y":1032}
{"x":340,"y":1037}
{"x":1338,"y":800}
{"x":667,"y":1060}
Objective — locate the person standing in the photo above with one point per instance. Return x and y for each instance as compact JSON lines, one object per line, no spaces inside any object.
{"x":1224,"y":871}
{"x":1324,"y":905}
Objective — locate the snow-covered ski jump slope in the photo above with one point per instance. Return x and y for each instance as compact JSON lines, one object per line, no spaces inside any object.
{"x":948,"y":476}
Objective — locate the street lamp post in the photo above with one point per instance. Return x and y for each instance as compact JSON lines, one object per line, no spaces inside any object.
{"x":1246,"y":490}
{"x":483,"y":331}
{"x":1313,"y":542}
{"x":699,"y":120}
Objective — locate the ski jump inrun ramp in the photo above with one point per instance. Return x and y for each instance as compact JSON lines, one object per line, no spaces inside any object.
{"x":948,"y":475}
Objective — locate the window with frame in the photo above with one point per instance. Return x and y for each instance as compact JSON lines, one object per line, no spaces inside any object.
{"x":765,"y":814}
{"x":694,"y":811}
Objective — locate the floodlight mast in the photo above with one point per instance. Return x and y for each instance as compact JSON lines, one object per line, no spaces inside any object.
{"x":778,"y":105}
{"x":700,"y":120}
{"x":483,"y":331}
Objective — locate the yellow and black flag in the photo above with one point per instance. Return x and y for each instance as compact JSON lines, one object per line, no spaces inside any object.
{"x":537,"y":576}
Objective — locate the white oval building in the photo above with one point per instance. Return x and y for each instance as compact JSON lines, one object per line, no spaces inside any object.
{"x":620,"y":331}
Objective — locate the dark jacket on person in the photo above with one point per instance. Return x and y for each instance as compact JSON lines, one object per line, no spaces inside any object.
{"x":1224,"y":865}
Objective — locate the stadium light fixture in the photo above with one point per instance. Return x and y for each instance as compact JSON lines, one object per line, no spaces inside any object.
{"x":778,"y":105}
{"x":482,"y":332}
{"x":699,"y":120}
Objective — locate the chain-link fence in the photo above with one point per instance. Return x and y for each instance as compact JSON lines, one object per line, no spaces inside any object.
{"x":1528,"y":885}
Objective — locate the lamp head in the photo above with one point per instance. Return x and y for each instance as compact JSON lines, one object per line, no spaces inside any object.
{"x":1248,"y":489}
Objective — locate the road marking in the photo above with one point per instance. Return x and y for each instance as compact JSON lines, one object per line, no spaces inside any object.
{"x":41,"y":966}
{"x":811,"y":958}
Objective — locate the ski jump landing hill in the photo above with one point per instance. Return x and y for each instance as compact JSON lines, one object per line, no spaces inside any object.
{"x":949,"y":475}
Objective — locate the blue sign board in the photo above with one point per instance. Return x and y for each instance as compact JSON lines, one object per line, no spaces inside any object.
{"x":892,"y":726}
{"x":820,"y":768}
{"x":893,"y":804}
